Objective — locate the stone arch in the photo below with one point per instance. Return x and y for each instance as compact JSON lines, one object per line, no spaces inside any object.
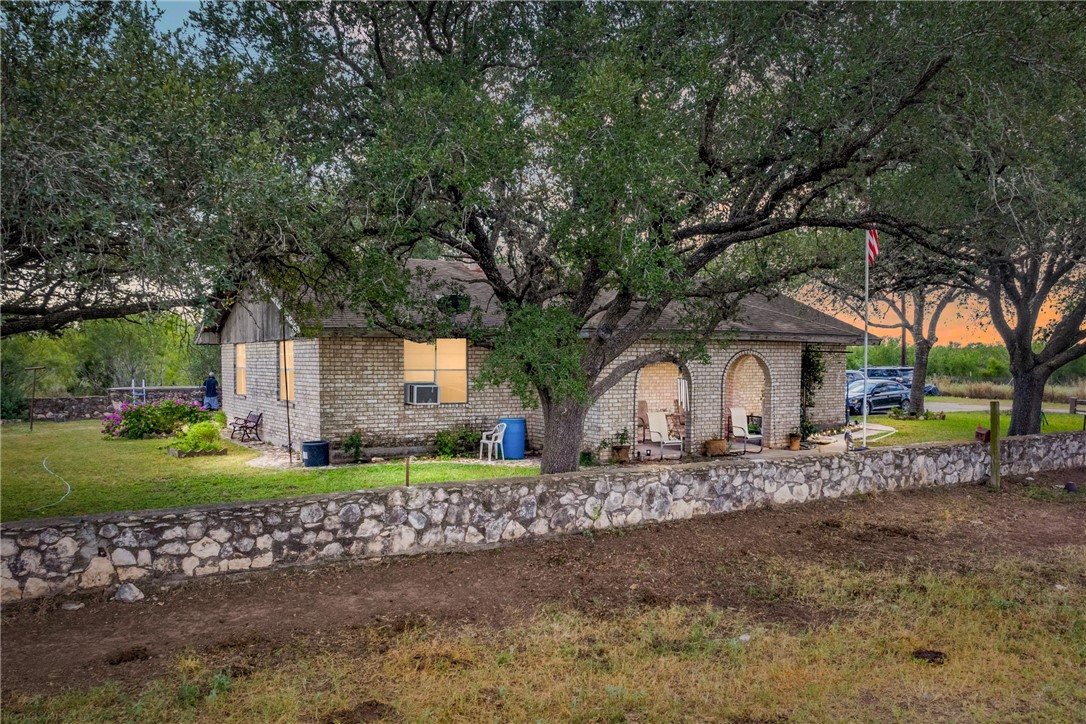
{"x":641,"y":390}
{"x":748,"y":382}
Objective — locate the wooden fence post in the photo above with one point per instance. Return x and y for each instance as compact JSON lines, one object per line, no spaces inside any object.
{"x":994,"y":477}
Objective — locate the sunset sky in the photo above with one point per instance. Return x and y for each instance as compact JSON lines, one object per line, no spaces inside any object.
{"x":963,"y":323}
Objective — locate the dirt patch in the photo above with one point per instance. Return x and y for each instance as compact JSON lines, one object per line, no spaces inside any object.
{"x":371,"y":710}
{"x":136,"y":653}
{"x":718,"y":560}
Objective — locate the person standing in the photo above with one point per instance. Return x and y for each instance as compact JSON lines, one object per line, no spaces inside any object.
{"x":211,"y":392}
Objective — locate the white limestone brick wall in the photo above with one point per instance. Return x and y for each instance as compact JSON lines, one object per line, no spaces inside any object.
{"x":262,"y":391}
{"x":617,"y":408}
{"x":829,"y":403}
{"x":363,"y":390}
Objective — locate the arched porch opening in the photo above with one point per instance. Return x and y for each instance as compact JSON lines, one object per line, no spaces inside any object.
{"x":747,"y":385}
{"x":662,"y":387}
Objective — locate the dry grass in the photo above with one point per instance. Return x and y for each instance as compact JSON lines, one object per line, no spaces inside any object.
{"x":1062,"y":394}
{"x":1015,"y":645}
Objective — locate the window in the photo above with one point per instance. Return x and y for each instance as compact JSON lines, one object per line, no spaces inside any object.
{"x":445,"y":363}
{"x":286,"y":370}
{"x":239,"y":369}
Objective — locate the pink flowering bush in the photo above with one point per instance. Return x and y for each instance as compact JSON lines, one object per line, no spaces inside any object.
{"x":135,"y":420}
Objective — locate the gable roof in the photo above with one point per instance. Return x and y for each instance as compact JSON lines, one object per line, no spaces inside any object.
{"x":759,"y":317}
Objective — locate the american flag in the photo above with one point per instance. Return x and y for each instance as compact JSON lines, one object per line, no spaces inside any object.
{"x":872,"y":245}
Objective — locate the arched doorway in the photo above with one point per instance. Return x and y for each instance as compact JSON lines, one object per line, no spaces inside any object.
{"x":746,"y":384}
{"x":663,"y":387}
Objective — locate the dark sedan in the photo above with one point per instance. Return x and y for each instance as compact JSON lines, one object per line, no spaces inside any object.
{"x":882,"y":395}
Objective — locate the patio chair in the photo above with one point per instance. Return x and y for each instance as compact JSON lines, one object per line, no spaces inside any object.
{"x":493,"y":442}
{"x":643,"y":420}
{"x":659,"y":433}
{"x":248,"y":426}
{"x":740,"y":432}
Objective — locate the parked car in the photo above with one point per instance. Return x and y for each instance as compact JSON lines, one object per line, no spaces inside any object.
{"x":882,"y":395}
{"x":904,"y":375}
{"x":897,"y":374}
{"x":853,"y":375}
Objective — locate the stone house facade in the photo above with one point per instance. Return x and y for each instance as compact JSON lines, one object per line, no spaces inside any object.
{"x":350,"y":377}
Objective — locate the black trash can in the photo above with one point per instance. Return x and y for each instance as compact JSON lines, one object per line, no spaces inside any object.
{"x":315,"y":453}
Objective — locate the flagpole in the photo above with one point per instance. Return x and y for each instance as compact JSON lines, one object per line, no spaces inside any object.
{"x":867,"y":266}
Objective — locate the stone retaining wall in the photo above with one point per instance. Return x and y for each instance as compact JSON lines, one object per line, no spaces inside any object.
{"x":46,"y":557}
{"x":62,"y":409}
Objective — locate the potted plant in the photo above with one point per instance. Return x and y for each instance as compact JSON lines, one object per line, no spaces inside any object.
{"x":794,"y":439}
{"x":620,"y":446}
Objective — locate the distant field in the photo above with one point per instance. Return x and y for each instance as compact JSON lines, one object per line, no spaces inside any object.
{"x":1061,"y":394}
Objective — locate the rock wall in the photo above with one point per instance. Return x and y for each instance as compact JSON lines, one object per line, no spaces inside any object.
{"x":62,"y":409}
{"x":46,"y":557}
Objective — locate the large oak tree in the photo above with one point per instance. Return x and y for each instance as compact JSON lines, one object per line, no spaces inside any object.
{"x":599,"y":162}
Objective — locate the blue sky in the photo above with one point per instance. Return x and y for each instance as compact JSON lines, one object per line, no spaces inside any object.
{"x":175,"y":13}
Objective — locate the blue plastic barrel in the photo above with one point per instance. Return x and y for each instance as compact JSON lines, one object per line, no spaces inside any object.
{"x":315,"y":453}
{"x":516,"y":431}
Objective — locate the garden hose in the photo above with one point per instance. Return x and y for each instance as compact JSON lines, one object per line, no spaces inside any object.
{"x":50,"y":505}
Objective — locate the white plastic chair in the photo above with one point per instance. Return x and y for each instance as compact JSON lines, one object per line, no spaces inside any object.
{"x":739,"y":429}
{"x":659,"y":433}
{"x":492,"y":441}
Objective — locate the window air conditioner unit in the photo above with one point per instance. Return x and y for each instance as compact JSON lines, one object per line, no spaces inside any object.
{"x":421,"y":393}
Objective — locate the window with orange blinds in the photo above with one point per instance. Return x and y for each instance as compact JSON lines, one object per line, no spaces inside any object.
{"x":444,"y":362}
{"x":240,"y":381}
{"x":286,"y":370}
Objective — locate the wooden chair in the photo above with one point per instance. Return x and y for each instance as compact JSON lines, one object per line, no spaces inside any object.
{"x":739,"y":429}
{"x":659,"y":433}
{"x":248,"y":426}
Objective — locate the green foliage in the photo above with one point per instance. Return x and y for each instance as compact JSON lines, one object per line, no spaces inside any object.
{"x":538,"y":349}
{"x":199,"y":437}
{"x":352,"y":445}
{"x":589,"y":458}
{"x":219,"y":417}
{"x":85,"y":360}
{"x":134,"y":421}
{"x":457,"y":442}
{"x":812,"y":373}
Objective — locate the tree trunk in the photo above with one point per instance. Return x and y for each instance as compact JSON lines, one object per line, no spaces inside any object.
{"x":1029,"y":388}
{"x":563,"y":433}
{"x":920,"y":374}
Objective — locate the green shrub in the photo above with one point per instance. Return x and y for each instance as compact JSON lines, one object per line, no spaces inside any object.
{"x":457,"y":442}
{"x":589,"y":458}
{"x":134,"y":421}
{"x":219,"y":418}
{"x":199,"y":437}
{"x":352,"y":445}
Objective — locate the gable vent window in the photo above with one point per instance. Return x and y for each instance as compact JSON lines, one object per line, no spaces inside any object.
{"x":444,"y":363}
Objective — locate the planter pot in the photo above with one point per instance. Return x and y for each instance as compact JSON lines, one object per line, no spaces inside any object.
{"x":194,"y":454}
{"x":794,"y":441}
{"x":620,"y":453}
{"x":714,"y":448}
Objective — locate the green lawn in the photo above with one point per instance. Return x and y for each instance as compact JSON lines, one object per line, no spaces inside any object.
{"x":1003,"y":404}
{"x":962,"y":426}
{"x":109,"y":475}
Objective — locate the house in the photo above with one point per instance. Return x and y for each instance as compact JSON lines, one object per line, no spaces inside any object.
{"x":350,"y":376}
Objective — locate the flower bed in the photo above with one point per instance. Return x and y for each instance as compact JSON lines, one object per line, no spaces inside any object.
{"x":134,"y":421}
